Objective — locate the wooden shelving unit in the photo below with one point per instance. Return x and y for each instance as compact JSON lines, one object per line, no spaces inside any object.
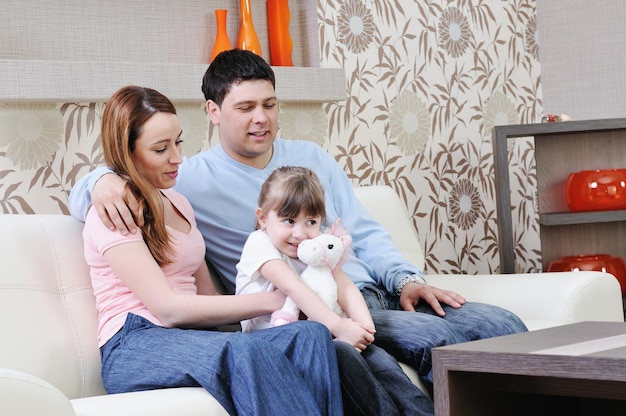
{"x":560,"y":149}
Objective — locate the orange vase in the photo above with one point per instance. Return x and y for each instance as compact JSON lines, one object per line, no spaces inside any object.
{"x":596,"y":190}
{"x":281,"y":45}
{"x":222,"y":43}
{"x":247,"y":38}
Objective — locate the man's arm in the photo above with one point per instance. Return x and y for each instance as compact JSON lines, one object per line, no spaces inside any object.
{"x":111,"y":198}
{"x":378,"y":252}
{"x":80,"y":195}
{"x":375,"y":252}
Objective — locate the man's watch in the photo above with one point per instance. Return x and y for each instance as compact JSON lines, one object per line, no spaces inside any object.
{"x":408,"y":279}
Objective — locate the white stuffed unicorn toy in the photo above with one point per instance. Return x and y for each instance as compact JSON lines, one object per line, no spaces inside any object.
{"x":322,"y":255}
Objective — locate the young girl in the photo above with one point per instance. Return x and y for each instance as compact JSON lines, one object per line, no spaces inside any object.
{"x":156,"y":303}
{"x":292,"y":209}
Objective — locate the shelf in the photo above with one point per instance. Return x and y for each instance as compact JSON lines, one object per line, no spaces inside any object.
{"x":71,"y":81}
{"x":536,"y":129}
{"x":85,"y":51}
{"x":560,"y":149}
{"x":569,"y":218}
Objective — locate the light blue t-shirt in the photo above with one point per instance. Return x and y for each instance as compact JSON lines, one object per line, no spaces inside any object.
{"x":224,"y":195}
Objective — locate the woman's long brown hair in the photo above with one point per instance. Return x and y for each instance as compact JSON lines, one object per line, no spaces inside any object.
{"x":124,"y":115}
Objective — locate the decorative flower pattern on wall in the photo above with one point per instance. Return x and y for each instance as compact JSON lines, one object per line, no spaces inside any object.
{"x":454,"y":32}
{"x":425,"y":84}
{"x":410,"y":122}
{"x":356,"y":26}
{"x":303,"y":121}
{"x":530,"y":34}
{"x":464,"y":204}
{"x":467,"y":63}
{"x":499,"y":111}
{"x":32,"y":133}
{"x":67,"y":146}
{"x":193,"y":122}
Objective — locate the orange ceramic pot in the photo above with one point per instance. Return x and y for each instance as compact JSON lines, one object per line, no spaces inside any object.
{"x":593,"y":262}
{"x":596,"y":190}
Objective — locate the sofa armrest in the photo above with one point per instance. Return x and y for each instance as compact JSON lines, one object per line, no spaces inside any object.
{"x":182,"y":401}
{"x":22,"y":394}
{"x":543,"y":300}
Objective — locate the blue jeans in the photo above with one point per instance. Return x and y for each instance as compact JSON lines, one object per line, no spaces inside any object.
{"x":374,"y":384}
{"x":290,"y":370}
{"x":410,"y":336}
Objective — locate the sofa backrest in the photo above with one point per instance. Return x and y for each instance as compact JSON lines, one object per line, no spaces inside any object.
{"x":386,"y":207}
{"x":48,"y":318}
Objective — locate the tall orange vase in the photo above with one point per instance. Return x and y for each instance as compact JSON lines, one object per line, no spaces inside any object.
{"x":281,"y":45}
{"x":247,"y":38}
{"x":222,"y":43}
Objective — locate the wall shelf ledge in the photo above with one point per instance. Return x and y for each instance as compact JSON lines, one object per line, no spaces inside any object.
{"x":73,"y":81}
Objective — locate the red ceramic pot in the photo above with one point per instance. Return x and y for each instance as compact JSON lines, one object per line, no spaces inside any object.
{"x":593,"y":262}
{"x":596,"y":190}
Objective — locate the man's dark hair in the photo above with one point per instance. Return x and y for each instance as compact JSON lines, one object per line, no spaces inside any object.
{"x":231,"y":67}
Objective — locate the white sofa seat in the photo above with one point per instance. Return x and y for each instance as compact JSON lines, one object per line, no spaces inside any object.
{"x":49,"y":360}
{"x":541,"y":300}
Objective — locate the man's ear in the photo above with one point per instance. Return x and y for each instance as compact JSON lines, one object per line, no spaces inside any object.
{"x":213,"y":111}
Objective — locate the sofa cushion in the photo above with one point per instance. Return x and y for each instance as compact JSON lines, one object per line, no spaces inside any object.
{"x":47,"y":303}
{"x":22,"y":394}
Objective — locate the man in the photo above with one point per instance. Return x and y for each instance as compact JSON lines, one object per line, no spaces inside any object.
{"x":223,"y":183}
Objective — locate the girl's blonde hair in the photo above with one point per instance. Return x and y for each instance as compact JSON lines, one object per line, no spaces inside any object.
{"x":124,"y":115}
{"x":292,"y":190}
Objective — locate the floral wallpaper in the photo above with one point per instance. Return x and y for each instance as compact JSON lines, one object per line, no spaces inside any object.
{"x":426,"y":81}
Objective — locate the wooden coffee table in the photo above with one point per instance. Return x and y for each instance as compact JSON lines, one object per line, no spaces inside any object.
{"x":577,"y":369}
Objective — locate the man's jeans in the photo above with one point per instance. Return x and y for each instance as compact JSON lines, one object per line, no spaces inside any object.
{"x":290,"y":370}
{"x":410,"y":336}
{"x":374,"y":384}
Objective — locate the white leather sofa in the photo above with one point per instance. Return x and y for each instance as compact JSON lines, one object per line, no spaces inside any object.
{"x":49,"y":361}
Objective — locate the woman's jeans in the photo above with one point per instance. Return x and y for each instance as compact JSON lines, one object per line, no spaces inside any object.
{"x":289,"y":370}
{"x":410,"y":336}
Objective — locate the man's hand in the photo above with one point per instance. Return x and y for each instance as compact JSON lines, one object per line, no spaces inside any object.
{"x":115,"y":204}
{"x":413,"y":292}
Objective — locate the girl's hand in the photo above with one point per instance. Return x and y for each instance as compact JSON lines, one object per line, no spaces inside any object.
{"x":354,"y":334}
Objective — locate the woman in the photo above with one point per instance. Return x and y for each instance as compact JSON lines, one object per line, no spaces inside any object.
{"x":156,"y":302}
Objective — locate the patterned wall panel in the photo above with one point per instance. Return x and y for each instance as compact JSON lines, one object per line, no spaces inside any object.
{"x":425,"y":83}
